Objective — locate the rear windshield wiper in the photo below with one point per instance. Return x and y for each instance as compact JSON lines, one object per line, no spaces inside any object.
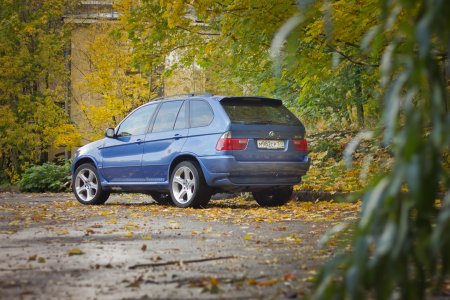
{"x":260,"y":123}
{"x":253,"y":122}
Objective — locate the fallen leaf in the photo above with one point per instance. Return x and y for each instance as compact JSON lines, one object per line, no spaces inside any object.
{"x":137,"y":282}
{"x":75,"y":251}
{"x":89,"y":231}
{"x":62,"y":232}
{"x":269,"y":282}
{"x":128,"y":234}
{"x":280,"y":229}
{"x":211,"y":286}
{"x":289,"y":277}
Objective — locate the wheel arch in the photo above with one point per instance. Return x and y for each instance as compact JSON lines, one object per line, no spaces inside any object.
{"x":84,"y":160}
{"x":180,"y":158}
{"x":203,"y":193}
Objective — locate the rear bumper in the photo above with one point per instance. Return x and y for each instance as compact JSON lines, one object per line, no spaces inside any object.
{"x":228,"y":174}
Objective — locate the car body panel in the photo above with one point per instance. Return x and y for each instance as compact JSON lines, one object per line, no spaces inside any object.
{"x":159,"y":150}
{"x":273,"y":132}
{"x":121,"y":159}
{"x":143,"y":162}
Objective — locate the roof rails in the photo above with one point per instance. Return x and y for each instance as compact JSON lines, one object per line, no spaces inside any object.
{"x":205,"y":94}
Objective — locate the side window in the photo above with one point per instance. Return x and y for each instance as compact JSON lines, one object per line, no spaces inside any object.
{"x":166,"y":116}
{"x":137,"y":122}
{"x":180,"y":123}
{"x":200,"y":113}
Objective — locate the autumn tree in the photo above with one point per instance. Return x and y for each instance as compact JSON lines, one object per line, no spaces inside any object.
{"x":400,"y":247}
{"x":110,"y":85}
{"x":32,"y":83}
{"x":231,"y":41}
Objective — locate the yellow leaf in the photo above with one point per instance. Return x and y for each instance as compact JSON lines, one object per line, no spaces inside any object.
{"x":75,"y":251}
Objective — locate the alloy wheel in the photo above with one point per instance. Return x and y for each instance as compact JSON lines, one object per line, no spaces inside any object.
{"x":86,"y":185}
{"x":183,"y":185}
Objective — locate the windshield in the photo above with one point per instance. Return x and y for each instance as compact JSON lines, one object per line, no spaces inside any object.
{"x":258,"y":111}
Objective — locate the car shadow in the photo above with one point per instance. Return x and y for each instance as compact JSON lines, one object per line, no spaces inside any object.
{"x":131,"y":204}
{"x":214,"y":204}
{"x":225,"y":204}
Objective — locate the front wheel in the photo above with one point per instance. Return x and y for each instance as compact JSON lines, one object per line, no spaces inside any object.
{"x":188,"y":187}
{"x":274,"y":197}
{"x":86,"y":186}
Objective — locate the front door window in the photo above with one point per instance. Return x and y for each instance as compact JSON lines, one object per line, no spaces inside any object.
{"x":137,"y":122}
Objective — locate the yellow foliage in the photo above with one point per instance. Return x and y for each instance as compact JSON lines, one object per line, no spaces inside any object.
{"x":32,"y":89}
{"x":114,"y":85}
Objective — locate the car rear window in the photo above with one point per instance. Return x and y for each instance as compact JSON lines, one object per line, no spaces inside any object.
{"x":258,"y":111}
{"x":200,"y":114}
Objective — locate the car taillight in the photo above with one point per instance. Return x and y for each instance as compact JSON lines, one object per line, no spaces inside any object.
{"x":300,"y":145}
{"x":226,"y":142}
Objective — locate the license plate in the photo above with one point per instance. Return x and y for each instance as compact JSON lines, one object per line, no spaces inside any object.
{"x":270,"y":144}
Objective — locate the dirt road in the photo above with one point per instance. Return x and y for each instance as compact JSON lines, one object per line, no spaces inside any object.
{"x":52,"y":247}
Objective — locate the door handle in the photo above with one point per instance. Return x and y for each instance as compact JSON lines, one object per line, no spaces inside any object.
{"x":139,"y":141}
{"x":177,"y":136}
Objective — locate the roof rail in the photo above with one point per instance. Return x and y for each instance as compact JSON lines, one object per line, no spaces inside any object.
{"x":205,"y":94}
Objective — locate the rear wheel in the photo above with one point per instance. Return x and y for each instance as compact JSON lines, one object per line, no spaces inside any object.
{"x":161,"y":198}
{"x":273,"y":197}
{"x":188,"y":187}
{"x":86,"y":186}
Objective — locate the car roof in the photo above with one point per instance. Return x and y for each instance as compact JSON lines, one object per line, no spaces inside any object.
{"x":204,"y":96}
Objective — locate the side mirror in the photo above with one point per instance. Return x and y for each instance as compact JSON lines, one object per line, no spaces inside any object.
{"x":110,"y":132}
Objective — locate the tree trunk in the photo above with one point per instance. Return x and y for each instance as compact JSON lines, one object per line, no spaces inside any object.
{"x":446,"y":76}
{"x":359,"y":98}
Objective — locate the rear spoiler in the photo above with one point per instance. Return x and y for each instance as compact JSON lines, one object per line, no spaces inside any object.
{"x":251,"y":100}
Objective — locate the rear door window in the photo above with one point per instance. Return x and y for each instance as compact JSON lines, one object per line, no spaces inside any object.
{"x":258,"y":111}
{"x":200,"y":113}
{"x":167,"y":114}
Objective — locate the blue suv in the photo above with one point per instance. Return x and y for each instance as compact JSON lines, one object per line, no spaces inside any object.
{"x":184,"y":149}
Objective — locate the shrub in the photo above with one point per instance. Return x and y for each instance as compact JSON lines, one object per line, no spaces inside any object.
{"x":49,"y":177}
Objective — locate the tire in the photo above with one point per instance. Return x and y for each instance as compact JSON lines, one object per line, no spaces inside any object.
{"x":188,"y":187}
{"x":161,"y":198}
{"x":86,"y":175}
{"x":274,"y":197}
